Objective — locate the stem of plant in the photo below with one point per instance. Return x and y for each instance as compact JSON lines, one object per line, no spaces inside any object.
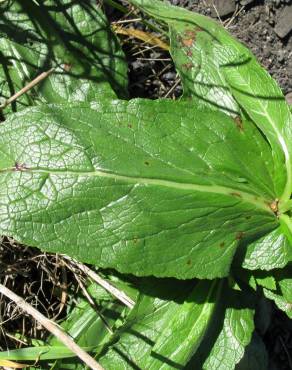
{"x":52,"y":328}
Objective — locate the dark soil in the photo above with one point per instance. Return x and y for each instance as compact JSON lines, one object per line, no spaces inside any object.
{"x":255,"y":27}
{"x":152,"y":75}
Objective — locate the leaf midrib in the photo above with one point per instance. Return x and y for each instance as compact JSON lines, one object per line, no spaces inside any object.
{"x":257,"y":201}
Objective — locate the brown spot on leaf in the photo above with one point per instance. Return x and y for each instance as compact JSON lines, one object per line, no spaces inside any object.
{"x":236,"y":194}
{"x":147,"y":163}
{"x":187,"y":42}
{"x":239,"y":235}
{"x":222,"y":245}
{"x":135,"y":240}
{"x":187,"y":66}
{"x":189,"y":262}
{"x":129,"y":125}
{"x":238,"y":122}
{"x":189,"y":53}
{"x":67,"y":67}
{"x":190,"y":33}
{"x":20,"y":167}
{"x":274,"y":205}
{"x":248,"y":217}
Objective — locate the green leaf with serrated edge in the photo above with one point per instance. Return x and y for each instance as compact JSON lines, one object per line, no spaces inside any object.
{"x":74,"y":38}
{"x":255,"y":357}
{"x":283,"y":296}
{"x":197,"y":61}
{"x":251,"y":86}
{"x":268,"y":282}
{"x":281,"y":302}
{"x":228,"y":335}
{"x":163,"y":333}
{"x":255,"y":279}
{"x":235,"y":335}
{"x":269,"y":252}
{"x":286,"y":288}
{"x":149,"y":188}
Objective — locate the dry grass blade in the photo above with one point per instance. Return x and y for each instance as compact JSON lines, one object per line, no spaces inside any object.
{"x":141,"y":35}
{"x":12,"y":364}
{"x":52,"y":328}
{"x":121,"y":296}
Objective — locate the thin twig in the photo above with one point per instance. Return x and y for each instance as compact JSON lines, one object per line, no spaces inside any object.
{"x":127,"y":21}
{"x":52,"y":328}
{"x":156,"y":59}
{"x":121,"y":296}
{"x":26,"y":88}
{"x":228,"y":22}
{"x":172,"y":88}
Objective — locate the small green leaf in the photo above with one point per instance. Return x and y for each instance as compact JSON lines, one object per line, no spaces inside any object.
{"x":285,"y":284}
{"x":283,"y":296}
{"x":269,"y":252}
{"x":266,"y":281}
{"x":281,"y":302}
{"x":149,"y":188}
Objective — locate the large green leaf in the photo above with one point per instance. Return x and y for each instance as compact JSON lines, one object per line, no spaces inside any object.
{"x":237,"y":71}
{"x":149,"y":188}
{"x":232,"y":340}
{"x":74,"y":37}
{"x":228,"y":334}
{"x":164,"y":330}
